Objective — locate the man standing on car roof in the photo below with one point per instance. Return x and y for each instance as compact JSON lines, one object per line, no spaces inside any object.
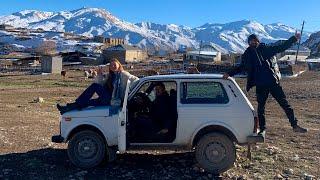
{"x":259,"y":63}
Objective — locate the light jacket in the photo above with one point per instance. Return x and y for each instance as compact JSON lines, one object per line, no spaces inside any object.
{"x":124,"y":77}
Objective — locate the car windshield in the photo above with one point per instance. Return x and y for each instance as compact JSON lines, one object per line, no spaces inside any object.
{"x":134,"y":84}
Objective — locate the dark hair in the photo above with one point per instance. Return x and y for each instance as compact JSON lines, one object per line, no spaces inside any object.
{"x":160,"y":84}
{"x":252,"y":37}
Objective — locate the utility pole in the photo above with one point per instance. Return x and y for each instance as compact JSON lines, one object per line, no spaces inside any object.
{"x":299,"y":42}
{"x":199,"y":52}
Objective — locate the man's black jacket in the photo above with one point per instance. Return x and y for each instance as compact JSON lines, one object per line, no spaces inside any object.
{"x":162,"y":112}
{"x":261,"y":53}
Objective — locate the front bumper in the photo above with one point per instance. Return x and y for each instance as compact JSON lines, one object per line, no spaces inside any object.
{"x":57,"y":139}
{"x":256,"y":138}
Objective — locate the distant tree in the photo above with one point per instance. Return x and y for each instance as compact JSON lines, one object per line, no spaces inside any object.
{"x":47,"y":48}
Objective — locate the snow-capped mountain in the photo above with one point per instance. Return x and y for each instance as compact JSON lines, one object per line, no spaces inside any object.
{"x":229,"y":37}
{"x":313,"y":43}
{"x":233,"y":36}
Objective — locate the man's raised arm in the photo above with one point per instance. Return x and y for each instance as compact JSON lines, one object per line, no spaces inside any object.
{"x":273,"y":50}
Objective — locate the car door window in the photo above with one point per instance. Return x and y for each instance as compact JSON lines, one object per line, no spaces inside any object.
{"x":203,"y":93}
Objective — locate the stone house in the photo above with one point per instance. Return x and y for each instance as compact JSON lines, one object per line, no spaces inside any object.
{"x":206,"y":55}
{"x":124,"y":53}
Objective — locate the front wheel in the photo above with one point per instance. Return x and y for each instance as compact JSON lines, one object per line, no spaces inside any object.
{"x":215,"y":152}
{"x":86,"y":149}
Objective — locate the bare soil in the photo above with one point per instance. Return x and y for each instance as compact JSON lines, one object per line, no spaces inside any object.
{"x":26,"y":127}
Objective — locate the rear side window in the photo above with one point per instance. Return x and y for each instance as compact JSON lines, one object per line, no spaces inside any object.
{"x":203,"y":93}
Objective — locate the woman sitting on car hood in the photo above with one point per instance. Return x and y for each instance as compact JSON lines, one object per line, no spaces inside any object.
{"x":110,"y":89}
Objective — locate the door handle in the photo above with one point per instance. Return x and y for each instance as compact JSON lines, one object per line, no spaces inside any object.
{"x":122,"y":123}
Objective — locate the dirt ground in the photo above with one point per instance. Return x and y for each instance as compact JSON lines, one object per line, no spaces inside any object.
{"x":26,"y":127}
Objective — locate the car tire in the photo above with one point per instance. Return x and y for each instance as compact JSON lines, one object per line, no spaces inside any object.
{"x":215,"y":152}
{"x":86,"y":149}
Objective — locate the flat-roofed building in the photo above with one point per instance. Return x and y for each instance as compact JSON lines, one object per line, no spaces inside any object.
{"x":108,"y":41}
{"x":124,"y":53}
{"x":206,"y":54}
{"x":290,"y":54}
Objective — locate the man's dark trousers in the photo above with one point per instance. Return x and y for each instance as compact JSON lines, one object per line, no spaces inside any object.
{"x":276,"y":91}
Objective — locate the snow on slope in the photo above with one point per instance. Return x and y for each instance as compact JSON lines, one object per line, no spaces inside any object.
{"x":233,"y":36}
{"x":228,"y":37}
{"x":24,"y":18}
{"x":11,"y":39}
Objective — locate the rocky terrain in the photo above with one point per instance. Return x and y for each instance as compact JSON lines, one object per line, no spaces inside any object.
{"x":27,"y":123}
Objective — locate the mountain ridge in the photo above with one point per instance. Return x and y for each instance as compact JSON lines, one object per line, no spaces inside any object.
{"x":227,"y":37}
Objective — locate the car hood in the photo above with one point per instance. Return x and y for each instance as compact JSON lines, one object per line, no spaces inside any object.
{"x":101,"y":111}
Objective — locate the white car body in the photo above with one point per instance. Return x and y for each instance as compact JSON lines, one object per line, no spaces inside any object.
{"x":234,"y":119}
{"x":237,"y":115}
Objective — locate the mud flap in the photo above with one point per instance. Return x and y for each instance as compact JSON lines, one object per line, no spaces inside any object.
{"x":112,"y":154}
{"x":253,"y":139}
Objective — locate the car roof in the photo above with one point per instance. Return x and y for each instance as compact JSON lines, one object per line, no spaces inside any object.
{"x":184,"y":76}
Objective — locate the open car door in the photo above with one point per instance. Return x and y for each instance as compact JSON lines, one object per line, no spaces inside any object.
{"x":122,"y":121}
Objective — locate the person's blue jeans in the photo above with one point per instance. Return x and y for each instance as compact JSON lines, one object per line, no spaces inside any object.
{"x":104,"y":96}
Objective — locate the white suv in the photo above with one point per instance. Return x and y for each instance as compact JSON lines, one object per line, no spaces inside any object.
{"x":211,"y":114}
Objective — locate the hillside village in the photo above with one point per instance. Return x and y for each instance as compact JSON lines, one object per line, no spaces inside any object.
{"x":77,"y":51}
{"x":28,"y":35}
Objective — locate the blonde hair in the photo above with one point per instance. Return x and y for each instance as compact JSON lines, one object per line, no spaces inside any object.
{"x":118,"y":62}
{"x":111,"y":73}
